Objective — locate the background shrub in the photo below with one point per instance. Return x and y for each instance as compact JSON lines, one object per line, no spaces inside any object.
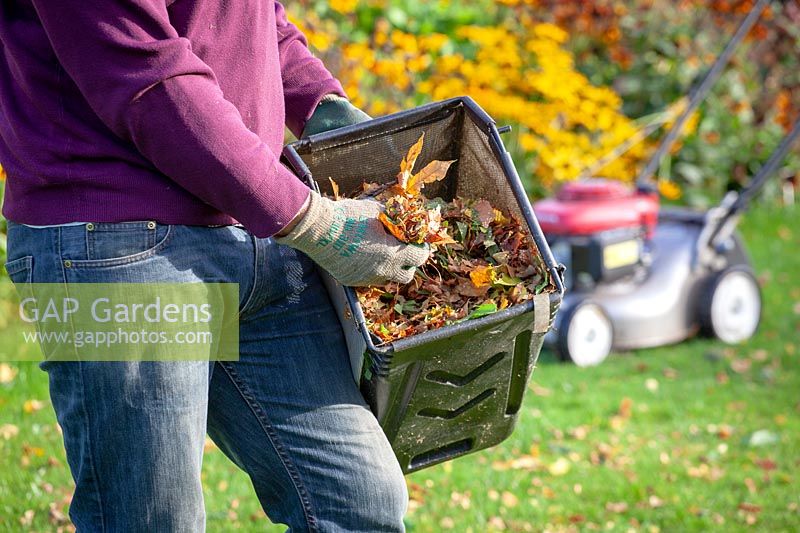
{"x":569,"y":75}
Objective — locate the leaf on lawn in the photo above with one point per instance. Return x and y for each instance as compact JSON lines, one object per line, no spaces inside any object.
{"x":560,"y":467}
{"x":654,"y":502}
{"x":463,"y":500}
{"x":723,"y":431}
{"x":7,"y":373}
{"x":32,"y":451}
{"x":616,"y":507}
{"x":496,"y":523}
{"x":57,"y":516}
{"x":749,"y":507}
{"x":31,"y":406}
{"x":26,"y":520}
{"x":8,"y":431}
{"x":704,"y":471}
{"x":509,"y":499}
{"x":766,"y":464}
{"x":762,"y":437}
{"x":538,"y":390}
{"x":524,"y":462}
{"x":625,"y":407}
{"x":579,"y":432}
{"x":407,"y":165}
{"x":334,"y":188}
{"x":740,"y":366}
{"x":433,"y":171}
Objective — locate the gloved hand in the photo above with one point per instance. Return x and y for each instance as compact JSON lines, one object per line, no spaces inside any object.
{"x":333,"y":112}
{"x":346,"y":238}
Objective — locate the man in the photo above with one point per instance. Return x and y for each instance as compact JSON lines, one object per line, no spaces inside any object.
{"x":136,"y":134}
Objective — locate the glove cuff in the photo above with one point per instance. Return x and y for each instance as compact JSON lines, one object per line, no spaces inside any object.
{"x":331,"y":97}
{"x":333,"y":112}
{"x":316,"y":221}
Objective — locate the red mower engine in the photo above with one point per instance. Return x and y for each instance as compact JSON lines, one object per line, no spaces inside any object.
{"x":598,"y":229}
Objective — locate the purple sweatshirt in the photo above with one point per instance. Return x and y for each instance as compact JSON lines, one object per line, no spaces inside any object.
{"x":161,"y":110}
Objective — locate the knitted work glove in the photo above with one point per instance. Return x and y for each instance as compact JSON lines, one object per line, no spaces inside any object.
{"x":333,"y":112}
{"x":346,"y":238}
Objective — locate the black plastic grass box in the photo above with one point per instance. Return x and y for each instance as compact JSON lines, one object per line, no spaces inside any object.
{"x":458,"y":389}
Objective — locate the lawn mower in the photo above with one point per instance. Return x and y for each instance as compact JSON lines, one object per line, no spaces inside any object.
{"x":638,"y":276}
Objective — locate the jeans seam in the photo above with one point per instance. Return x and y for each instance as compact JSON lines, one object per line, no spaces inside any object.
{"x":60,"y":252}
{"x":251,"y":296}
{"x":98,"y":493}
{"x":272,"y":435}
{"x":85,"y":417}
{"x":89,"y":243}
{"x":20,"y":264}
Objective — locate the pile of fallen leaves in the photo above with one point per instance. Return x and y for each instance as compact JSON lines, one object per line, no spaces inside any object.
{"x":481,"y":259}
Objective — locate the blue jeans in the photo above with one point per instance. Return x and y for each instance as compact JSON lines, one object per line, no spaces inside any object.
{"x":288,"y":412}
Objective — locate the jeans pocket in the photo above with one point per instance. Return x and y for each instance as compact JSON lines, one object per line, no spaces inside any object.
{"x":20,"y":270}
{"x":121,"y":243}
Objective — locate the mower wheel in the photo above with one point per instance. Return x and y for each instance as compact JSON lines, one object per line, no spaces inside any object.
{"x":586,"y":335}
{"x":731,"y":310}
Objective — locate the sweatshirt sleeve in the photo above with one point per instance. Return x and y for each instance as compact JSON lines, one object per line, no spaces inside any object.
{"x":305,"y":78}
{"x":145,"y":83}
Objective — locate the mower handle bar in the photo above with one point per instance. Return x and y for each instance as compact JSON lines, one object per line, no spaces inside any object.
{"x":739,"y":201}
{"x":698,"y":94}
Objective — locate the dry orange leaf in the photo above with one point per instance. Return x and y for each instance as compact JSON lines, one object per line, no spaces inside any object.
{"x":31,"y":406}
{"x":433,"y":171}
{"x":407,"y":165}
{"x":441,"y":238}
{"x":392,"y":227}
{"x":335,"y":188}
{"x":481,"y":276}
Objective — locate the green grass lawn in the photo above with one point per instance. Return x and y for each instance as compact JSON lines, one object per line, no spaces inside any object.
{"x":691,"y":437}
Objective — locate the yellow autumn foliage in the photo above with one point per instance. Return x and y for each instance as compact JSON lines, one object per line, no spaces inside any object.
{"x":519,"y":71}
